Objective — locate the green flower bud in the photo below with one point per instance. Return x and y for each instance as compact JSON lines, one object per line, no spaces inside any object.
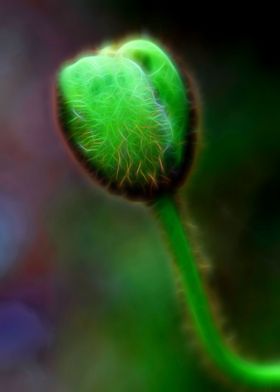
{"x":127,"y":114}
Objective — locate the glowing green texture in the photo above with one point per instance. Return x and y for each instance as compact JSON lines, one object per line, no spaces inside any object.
{"x":125,"y":113}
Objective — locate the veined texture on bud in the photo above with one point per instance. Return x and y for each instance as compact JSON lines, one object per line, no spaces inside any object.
{"x":125,"y":112}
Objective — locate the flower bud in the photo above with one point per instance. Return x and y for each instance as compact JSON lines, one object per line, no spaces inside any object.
{"x":126,"y":112}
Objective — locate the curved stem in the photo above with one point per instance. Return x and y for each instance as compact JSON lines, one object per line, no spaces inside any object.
{"x":229,"y":362}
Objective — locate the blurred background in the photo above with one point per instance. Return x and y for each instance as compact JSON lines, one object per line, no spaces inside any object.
{"x":88,"y":295}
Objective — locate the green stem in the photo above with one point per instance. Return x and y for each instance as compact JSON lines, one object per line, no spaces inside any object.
{"x":229,"y":362}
